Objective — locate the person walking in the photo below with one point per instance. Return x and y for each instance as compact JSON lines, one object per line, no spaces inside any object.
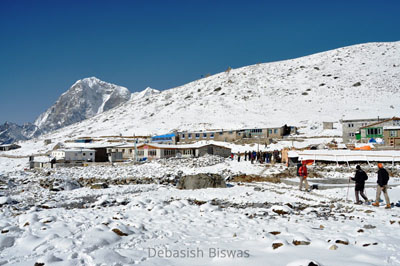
{"x":383,"y":178}
{"x":253,"y":156}
{"x":238,"y":157}
{"x":360,"y":178}
{"x":303,"y":176}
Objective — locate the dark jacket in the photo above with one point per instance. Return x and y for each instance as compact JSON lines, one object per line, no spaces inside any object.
{"x":383,"y":177}
{"x":360,"y":177}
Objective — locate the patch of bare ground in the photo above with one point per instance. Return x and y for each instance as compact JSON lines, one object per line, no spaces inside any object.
{"x":256,"y":178}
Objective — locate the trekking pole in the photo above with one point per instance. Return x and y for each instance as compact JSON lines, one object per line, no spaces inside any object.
{"x":348,"y":188}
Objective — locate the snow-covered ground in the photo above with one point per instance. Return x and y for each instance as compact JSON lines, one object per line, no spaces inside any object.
{"x":156,"y":224}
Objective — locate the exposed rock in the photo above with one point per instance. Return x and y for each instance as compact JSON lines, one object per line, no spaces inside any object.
{"x":274,"y":233}
{"x":343,"y":242}
{"x":333,"y":247}
{"x":119,"y":232}
{"x":301,"y":243}
{"x":276,"y":245}
{"x":281,"y":210}
{"x":368,"y":226}
{"x":99,"y":186}
{"x":201,"y":181}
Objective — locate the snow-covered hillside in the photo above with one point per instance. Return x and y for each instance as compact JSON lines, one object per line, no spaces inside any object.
{"x":86,"y":98}
{"x":352,"y":82}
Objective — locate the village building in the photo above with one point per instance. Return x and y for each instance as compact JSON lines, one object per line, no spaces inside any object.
{"x":121,"y":152}
{"x":165,"y":139}
{"x":327,"y":125}
{"x":41,"y":162}
{"x":150,"y":151}
{"x":391,"y":136}
{"x":348,"y":156}
{"x":8,"y":147}
{"x":260,"y":134}
{"x":74,"y":155}
{"x":375,"y":130}
{"x":352,"y":126}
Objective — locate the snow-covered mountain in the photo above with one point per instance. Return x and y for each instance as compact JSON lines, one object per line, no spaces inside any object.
{"x":86,"y":98}
{"x":351,"y":82}
{"x":11,"y":132}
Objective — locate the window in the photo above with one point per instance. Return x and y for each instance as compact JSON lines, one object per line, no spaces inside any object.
{"x":374,"y":131}
{"x":140,"y":152}
{"x":189,"y":135}
{"x":352,"y":134}
{"x":84,"y":154}
{"x":204,"y":135}
{"x":230,"y":132}
{"x":169,"y":152}
{"x":269,"y":131}
{"x":221,"y":133}
{"x":183,"y":136}
{"x":197,"y":135}
{"x":396,"y":122}
{"x":91,"y":154}
{"x":393,"y":133}
{"x":275,"y":131}
{"x":152,"y":152}
{"x":350,"y":125}
{"x":130,"y":150}
{"x":187,"y":152}
{"x":212,"y":135}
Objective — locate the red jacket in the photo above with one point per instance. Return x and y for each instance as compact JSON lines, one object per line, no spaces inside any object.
{"x":303,"y":171}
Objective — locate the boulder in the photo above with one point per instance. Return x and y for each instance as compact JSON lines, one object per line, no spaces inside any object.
{"x":199,"y":181}
{"x":99,"y":186}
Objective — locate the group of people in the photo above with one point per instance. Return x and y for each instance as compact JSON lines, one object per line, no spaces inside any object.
{"x":261,"y":156}
{"x":383,"y":178}
{"x":359,"y":178}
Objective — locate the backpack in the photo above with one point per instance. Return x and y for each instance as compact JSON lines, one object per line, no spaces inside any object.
{"x":298,"y":169}
{"x":365,"y":176}
{"x":301,"y":171}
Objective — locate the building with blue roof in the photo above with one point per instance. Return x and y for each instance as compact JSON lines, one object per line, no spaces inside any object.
{"x":165,"y":139}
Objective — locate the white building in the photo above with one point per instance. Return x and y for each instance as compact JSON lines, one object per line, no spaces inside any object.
{"x":157,"y":151}
{"x":84,"y":155}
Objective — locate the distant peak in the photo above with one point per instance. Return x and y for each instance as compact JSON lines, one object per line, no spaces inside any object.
{"x":148,"y":89}
{"x":89,"y":81}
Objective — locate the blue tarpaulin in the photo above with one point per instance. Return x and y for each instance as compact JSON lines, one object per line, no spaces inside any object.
{"x":167,"y":137}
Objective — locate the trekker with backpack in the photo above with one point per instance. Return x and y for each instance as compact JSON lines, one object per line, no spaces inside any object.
{"x":303,"y":176}
{"x":383,"y":178}
{"x":360,"y":178}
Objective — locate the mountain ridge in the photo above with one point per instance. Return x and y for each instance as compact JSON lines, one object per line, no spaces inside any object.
{"x":360,"y":80}
{"x":84,"y":99}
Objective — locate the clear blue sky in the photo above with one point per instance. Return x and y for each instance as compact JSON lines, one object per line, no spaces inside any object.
{"x":45,"y":46}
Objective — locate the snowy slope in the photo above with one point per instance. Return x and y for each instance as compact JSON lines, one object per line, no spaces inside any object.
{"x":356,"y":81}
{"x":86,"y":98}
